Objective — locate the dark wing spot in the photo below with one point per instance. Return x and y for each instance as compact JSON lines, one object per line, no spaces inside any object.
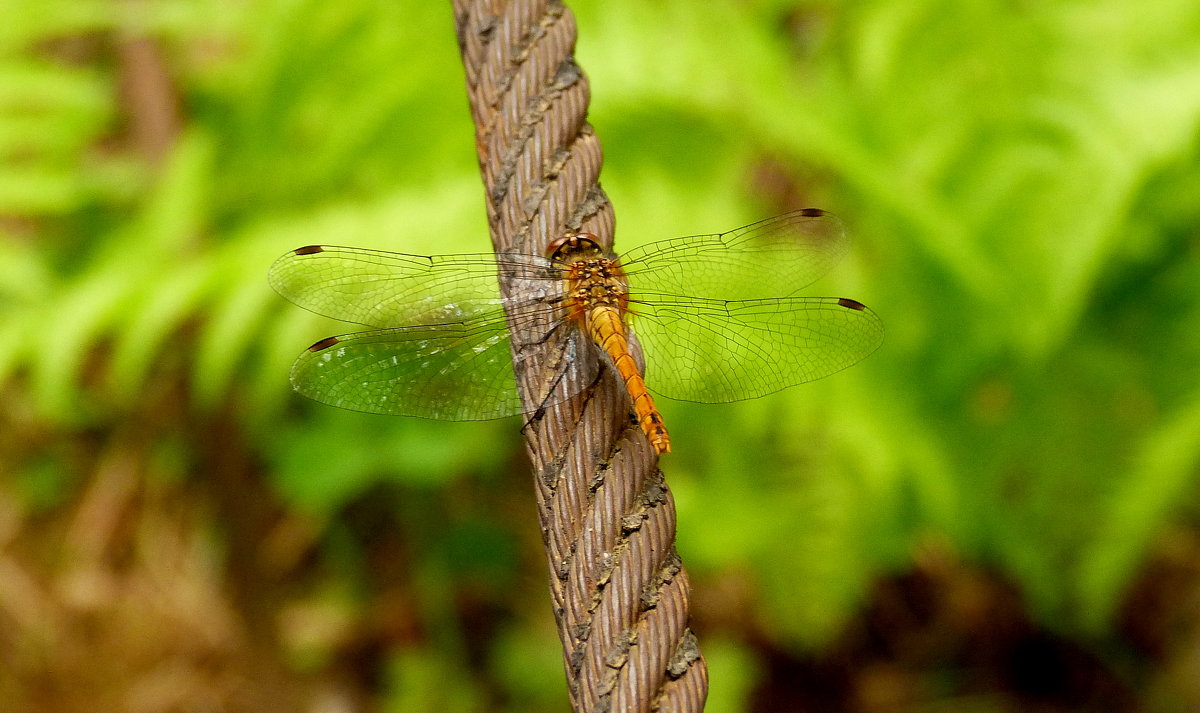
{"x":851,"y":304}
{"x":323,"y":344}
{"x":309,"y":250}
{"x":812,"y":212}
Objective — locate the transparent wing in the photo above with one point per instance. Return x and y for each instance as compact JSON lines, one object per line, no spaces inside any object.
{"x":716,"y":351}
{"x":384,"y":289}
{"x":451,"y":372}
{"x":771,"y":258}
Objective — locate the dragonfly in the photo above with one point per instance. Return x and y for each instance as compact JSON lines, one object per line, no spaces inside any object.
{"x":716,"y":319}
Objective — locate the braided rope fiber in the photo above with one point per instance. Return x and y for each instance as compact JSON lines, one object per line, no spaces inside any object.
{"x":619,"y":591}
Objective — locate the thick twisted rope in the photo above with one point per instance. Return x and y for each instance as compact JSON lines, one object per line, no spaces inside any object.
{"x":619,"y":590}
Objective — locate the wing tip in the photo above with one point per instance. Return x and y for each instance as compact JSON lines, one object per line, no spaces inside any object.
{"x":324,"y":344}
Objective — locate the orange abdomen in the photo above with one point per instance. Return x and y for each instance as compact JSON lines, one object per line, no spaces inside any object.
{"x":604,"y":325}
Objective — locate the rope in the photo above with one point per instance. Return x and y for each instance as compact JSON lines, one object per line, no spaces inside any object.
{"x":619,"y":590}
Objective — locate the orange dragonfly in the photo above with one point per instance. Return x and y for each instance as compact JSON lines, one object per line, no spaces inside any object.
{"x":716,"y":317}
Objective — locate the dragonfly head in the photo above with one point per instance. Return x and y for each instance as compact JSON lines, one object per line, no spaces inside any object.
{"x":575,"y":246}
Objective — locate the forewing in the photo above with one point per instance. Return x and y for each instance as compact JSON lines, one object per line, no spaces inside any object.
{"x":771,"y":258}
{"x":717,"y":351}
{"x":384,"y":289}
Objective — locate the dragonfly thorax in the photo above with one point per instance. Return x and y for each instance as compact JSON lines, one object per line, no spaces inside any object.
{"x":593,"y":283}
{"x":593,"y":279}
{"x":592,"y":294}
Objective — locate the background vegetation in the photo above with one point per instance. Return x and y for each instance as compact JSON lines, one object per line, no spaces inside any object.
{"x":996,"y":512}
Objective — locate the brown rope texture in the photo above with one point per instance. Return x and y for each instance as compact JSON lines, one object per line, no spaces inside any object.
{"x":619,"y":590}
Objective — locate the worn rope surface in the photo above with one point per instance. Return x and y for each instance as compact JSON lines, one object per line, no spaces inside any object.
{"x":620,"y":593}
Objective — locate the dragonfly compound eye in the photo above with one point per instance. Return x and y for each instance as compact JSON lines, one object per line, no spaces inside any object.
{"x":574,"y":246}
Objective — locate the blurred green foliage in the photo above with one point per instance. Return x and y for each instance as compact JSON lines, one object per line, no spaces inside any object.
{"x":1022,"y":180}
